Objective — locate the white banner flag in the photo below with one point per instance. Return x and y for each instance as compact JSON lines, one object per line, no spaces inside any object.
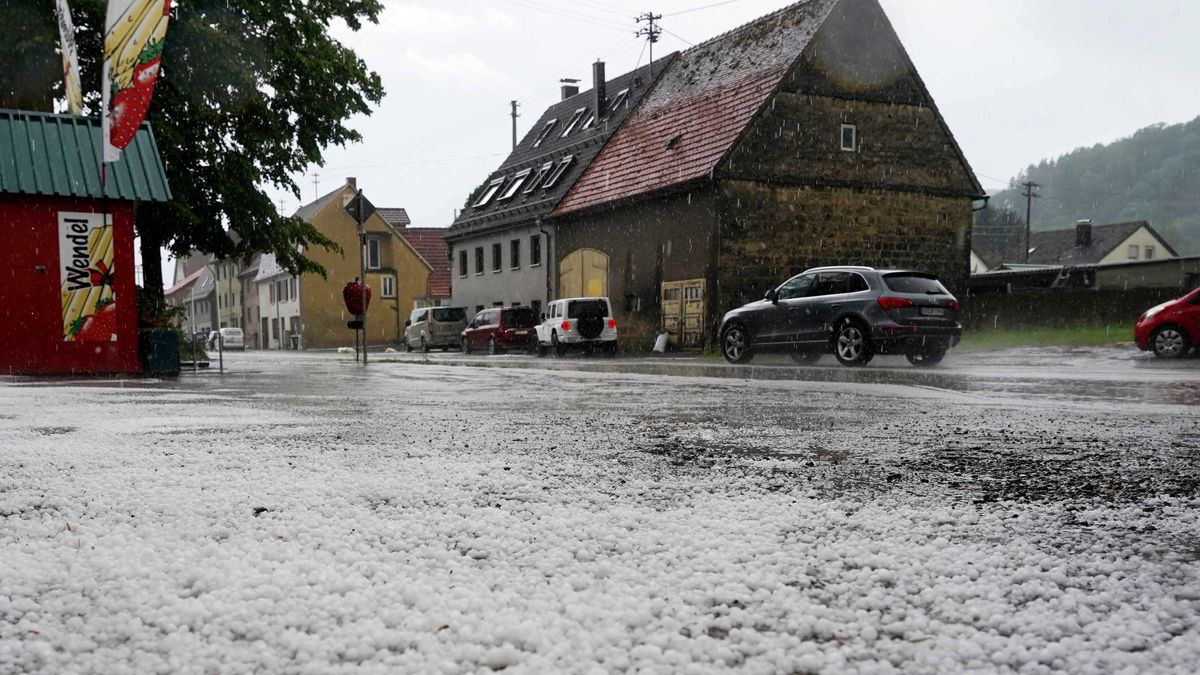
{"x":66,"y":33}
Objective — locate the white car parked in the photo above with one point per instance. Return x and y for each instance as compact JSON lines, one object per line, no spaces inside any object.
{"x":585,"y":323}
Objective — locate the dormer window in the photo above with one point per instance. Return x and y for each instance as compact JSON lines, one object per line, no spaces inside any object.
{"x":563,"y":164}
{"x":545,"y":132}
{"x":515,"y":185}
{"x":576,"y":118}
{"x":619,"y":100}
{"x":849,"y":138}
{"x":538,"y":177}
{"x":492,"y":188}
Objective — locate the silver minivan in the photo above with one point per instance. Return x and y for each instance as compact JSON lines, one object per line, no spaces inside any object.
{"x":431,"y":327}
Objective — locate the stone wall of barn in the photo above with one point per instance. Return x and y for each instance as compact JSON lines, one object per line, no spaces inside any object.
{"x":669,"y":238}
{"x":770,"y":232}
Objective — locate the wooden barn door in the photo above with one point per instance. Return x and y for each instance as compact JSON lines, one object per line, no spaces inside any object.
{"x":583,"y":273}
{"x":683,"y":305}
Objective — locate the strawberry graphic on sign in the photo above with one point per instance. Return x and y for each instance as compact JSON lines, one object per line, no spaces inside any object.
{"x":133,"y":49}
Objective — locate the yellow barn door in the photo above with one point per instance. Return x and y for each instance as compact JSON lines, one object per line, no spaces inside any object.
{"x":583,"y":273}
{"x":683,"y":305}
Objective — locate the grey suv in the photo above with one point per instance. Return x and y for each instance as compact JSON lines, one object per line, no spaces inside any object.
{"x":854,"y":312}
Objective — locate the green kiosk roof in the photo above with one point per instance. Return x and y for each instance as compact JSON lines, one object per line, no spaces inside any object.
{"x":59,"y":156}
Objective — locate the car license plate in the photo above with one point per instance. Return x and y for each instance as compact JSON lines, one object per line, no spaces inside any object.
{"x":520,"y":332}
{"x":933,"y":311}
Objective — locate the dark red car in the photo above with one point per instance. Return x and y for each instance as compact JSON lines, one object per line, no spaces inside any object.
{"x":500,"y":329}
{"x":1170,"y":329}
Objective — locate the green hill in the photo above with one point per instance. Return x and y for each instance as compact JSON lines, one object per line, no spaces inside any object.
{"x":1153,"y":175}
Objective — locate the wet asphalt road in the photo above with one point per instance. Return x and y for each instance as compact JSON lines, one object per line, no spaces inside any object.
{"x":1065,"y":425}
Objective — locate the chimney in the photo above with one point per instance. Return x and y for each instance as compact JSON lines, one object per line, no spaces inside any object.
{"x":598,"y":89}
{"x":1083,"y":233}
{"x":352,"y":182}
{"x":570,"y":87}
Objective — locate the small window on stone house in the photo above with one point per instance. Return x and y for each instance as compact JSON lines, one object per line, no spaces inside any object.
{"x":1149,"y":253}
{"x":849,"y":138}
{"x":1133,"y":251}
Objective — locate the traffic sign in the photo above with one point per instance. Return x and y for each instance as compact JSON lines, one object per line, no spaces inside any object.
{"x":360,"y":208}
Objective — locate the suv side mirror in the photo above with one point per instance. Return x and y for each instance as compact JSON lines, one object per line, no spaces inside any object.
{"x":407,"y":323}
{"x":543,"y":316}
{"x":772,"y":295}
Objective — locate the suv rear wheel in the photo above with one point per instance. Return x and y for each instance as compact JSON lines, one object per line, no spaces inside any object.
{"x":851,"y":345}
{"x":735,"y":344}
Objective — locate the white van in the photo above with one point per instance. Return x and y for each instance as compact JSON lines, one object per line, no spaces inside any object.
{"x":233,"y":339}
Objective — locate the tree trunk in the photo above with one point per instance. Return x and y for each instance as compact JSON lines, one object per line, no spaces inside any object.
{"x":152,"y":279}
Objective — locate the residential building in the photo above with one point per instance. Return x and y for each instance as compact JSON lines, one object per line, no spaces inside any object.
{"x":251,"y":311}
{"x":279,"y":305}
{"x":430,"y":244}
{"x":195,"y":293}
{"x":803,"y":138}
{"x":501,"y":244}
{"x":1088,"y":244}
{"x":397,"y":274}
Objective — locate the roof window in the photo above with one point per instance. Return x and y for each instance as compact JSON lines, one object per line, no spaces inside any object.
{"x":673,"y":142}
{"x":563,"y":164}
{"x":492,"y":188}
{"x":515,"y":185}
{"x":619,"y":100}
{"x":576,"y":118}
{"x":545,"y":132}
{"x":591,"y":121}
{"x":538,"y":177}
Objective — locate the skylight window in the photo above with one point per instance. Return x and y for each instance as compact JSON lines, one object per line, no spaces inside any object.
{"x":515,"y":185}
{"x":619,"y":100}
{"x":576,"y":118}
{"x":545,"y":132}
{"x":591,"y":121}
{"x":538,"y":177}
{"x":492,"y":188}
{"x":563,"y":164}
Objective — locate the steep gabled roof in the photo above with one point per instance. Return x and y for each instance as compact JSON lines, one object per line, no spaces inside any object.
{"x":430,"y":244}
{"x":582,"y":145}
{"x":699,"y":107}
{"x":1058,"y":247}
{"x":311,"y":209}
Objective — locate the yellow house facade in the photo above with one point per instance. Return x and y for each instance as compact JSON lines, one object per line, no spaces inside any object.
{"x":396,"y":273}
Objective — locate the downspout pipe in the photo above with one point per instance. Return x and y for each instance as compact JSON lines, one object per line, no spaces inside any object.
{"x":549,"y":257}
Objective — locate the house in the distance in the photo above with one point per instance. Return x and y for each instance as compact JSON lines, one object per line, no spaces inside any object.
{"x":397,"y":274}
{"x":803,"y":138}
{"x":1088,"y":244}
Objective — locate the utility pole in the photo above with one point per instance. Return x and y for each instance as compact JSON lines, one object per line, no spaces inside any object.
{"x":651,"y":32}
{"x":316,"y":182}
{"x":515,"y":115}
{"x":1029,"y":196}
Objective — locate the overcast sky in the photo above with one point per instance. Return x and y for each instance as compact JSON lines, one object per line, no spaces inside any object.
{"x":1017,"y":80}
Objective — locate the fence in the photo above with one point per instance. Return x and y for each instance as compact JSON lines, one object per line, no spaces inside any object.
{"x":1061,"y":308}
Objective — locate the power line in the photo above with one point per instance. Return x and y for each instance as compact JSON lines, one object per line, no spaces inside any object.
{"x":680,"y":37}
{"x":570,"y":14}
{"x":697,"y":9}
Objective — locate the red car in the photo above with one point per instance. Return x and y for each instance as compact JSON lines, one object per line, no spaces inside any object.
{"x":1170,"y":329}
{"x":499,"y":329}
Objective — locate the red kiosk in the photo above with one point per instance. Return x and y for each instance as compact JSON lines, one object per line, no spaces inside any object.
{"x":68,"y":289}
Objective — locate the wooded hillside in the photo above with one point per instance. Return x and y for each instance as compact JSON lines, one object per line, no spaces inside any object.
{"x":1153,"y":175}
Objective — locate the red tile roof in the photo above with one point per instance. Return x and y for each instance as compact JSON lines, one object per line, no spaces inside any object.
{"x":429,"y":243}
{"x":707,"y":97}
{"x":638,"y":160}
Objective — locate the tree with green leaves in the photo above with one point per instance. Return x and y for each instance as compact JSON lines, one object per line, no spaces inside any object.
{"x":248,"y":95}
